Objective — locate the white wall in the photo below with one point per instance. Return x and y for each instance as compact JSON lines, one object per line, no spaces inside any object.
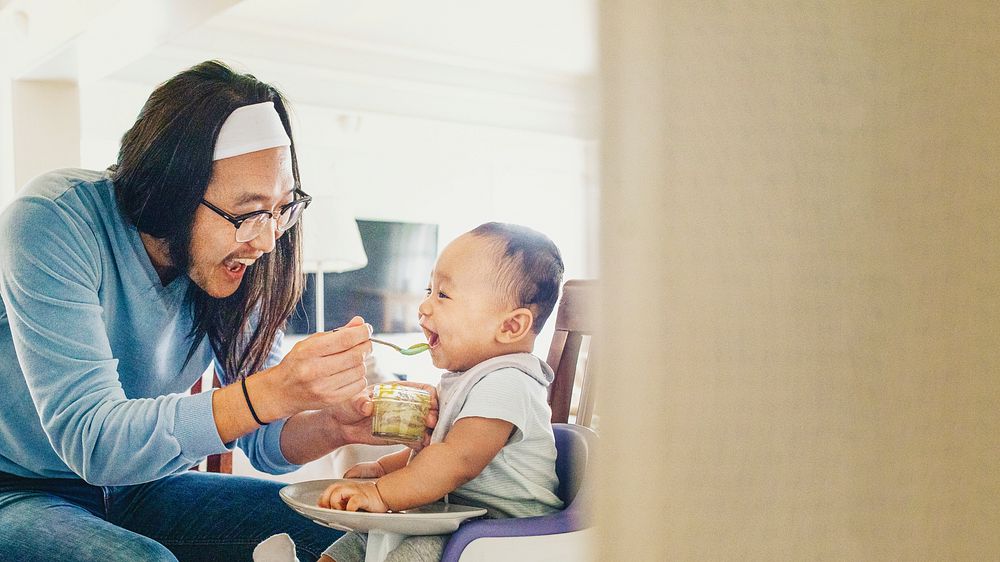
{"x":108,"y":109}
{"x":45,"y":127}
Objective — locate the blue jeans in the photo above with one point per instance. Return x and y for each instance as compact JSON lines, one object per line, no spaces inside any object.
{"x":189,"y":516}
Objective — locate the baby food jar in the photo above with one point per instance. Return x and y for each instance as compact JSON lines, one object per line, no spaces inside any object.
{"x":399,"y":412}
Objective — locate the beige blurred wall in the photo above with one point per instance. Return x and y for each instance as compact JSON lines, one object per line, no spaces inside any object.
{"x":46,"y":127}
{"x":802,"y":281}
{"x":6,"y":142}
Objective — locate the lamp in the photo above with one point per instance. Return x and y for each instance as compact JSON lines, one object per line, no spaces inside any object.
{"x":331,"y":243}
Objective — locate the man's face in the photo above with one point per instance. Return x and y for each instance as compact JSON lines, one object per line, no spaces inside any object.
{"x":241,"y":184}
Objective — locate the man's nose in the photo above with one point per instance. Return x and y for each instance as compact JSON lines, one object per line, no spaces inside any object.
{"x":266,"y":240}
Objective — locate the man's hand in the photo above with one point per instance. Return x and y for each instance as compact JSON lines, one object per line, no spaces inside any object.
{"x":352,"y":418}
{"x":353,"y":496}
{"x":321,"y":371}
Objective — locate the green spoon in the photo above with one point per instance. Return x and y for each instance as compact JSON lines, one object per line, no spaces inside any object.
{"x":412,"y":350}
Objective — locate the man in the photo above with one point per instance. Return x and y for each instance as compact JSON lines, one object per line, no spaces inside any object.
{"x":118,"y":290}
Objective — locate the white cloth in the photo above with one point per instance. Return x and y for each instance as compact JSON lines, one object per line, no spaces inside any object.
{"x":250,"y":128}
{"x":276,"y":548}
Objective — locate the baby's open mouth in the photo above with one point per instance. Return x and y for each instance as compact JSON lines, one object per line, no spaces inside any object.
{"x":432,"y":338}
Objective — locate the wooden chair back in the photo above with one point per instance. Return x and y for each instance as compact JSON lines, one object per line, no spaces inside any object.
{"x":575,"y":319}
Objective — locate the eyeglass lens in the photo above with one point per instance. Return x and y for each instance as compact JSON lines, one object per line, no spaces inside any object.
{"x":259,"y":224}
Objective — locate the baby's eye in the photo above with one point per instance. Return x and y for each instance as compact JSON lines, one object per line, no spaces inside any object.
{"x":441,"y":295}
{"x":428,"y":291}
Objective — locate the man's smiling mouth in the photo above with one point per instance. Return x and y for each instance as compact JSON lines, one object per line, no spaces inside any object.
{"x":237,"y":264}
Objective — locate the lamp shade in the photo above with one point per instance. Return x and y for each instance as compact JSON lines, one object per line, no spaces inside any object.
{"x":331,"y":241}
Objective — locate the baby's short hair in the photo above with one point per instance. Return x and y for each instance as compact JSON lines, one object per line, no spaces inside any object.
{"x":530,"y":269}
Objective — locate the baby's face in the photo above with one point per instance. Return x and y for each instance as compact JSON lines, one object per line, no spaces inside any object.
{"x":462,"y":312}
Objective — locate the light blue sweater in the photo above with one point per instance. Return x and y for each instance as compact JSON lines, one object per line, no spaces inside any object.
{"x":92,"y":347}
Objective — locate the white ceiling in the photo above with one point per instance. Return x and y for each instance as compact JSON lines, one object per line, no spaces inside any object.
{"x":550,"y":36}
{"x":528,"y":64}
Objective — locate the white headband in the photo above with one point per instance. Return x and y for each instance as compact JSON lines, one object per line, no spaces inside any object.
{"x":248,"y":129}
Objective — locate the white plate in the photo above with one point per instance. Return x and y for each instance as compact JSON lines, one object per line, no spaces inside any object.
{"x":432,"y":519}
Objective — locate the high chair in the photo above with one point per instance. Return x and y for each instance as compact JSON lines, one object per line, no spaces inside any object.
{"x":563,"y":535}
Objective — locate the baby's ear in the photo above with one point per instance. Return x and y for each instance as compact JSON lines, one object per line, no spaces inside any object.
{"x":515,"y":326}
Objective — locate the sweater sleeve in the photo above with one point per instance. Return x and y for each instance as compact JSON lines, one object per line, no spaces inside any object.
{"x":50,"y":275}
{"x":263,"y":446}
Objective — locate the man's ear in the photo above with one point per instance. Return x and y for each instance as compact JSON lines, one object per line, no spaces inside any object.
{"x":515,"y":326}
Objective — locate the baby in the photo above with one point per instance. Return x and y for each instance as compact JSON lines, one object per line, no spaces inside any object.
{"x":490,"y":293}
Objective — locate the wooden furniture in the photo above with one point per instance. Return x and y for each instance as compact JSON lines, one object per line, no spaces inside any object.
{"x":575,"y":319}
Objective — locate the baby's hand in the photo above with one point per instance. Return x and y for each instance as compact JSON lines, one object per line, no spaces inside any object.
{"x":353,"y":496}
{"x":365,"y":470}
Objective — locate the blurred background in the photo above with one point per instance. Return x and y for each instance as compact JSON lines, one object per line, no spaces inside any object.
{"x":414,"y":122}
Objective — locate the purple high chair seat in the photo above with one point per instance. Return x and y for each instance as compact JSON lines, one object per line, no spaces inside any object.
{"x":574,"y":444}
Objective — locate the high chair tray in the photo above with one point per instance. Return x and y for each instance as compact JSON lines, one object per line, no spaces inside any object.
{"x":433,"y":519}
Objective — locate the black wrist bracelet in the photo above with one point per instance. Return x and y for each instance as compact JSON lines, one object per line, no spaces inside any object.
{"x":243,"y":383}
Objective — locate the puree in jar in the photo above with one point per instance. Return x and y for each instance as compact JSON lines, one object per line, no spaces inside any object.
{"x":399,"y":412}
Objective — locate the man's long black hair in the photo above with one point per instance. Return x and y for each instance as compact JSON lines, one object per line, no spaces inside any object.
{"x":163,"y":169}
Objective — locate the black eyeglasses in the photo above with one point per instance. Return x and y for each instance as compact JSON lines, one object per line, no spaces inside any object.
{"x":251,"y":225}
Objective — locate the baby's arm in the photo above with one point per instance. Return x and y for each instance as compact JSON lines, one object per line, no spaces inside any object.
{"x":384,"y":465}
{"x":438,"y":469}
